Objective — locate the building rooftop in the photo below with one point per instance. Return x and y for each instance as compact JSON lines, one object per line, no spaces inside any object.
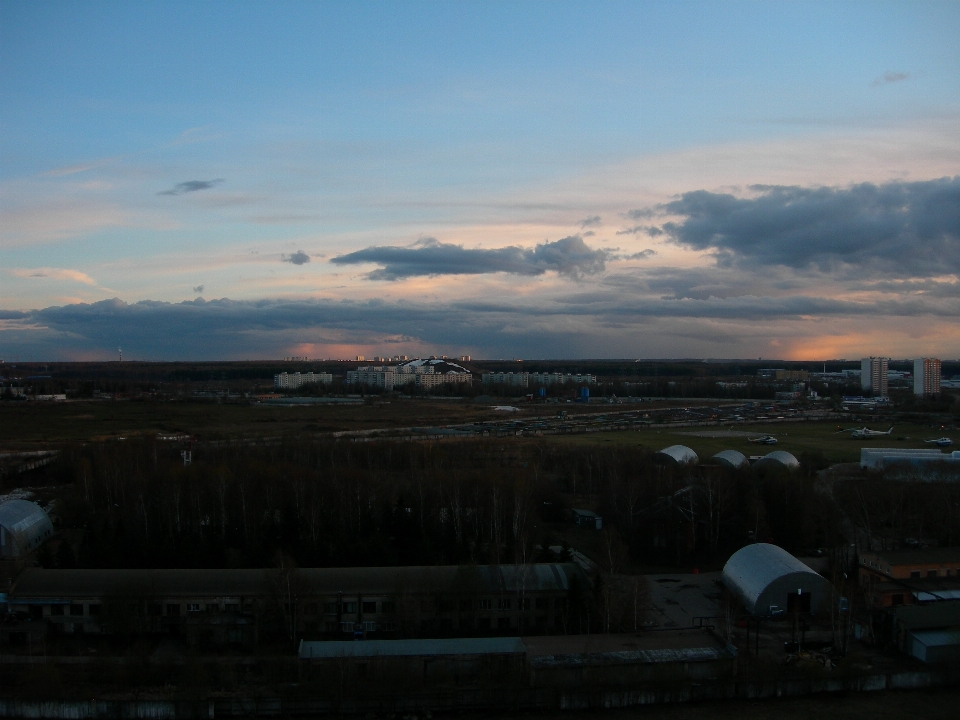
{"x":410,"y":648}
{"x":917,"y":556}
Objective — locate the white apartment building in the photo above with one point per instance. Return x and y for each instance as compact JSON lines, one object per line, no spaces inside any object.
{"x":926,"y":376}
{"x":521,"y":379}
{"x":873,"y":375}
{"x":292,"y":381}
{"x":380,"y":376}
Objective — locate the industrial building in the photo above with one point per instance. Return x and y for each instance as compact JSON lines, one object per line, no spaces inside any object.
{"x":771,"y":582}
{"x":926,"y":376}
{"x":561,"y":378}
{"x":874,"y":375}
{"x":677,"y":454}
{"x":903,"y":577}
{"x":23,"y":527}
{"x":293,"y":381}
{"x":234,"y":606}
{"x":877,"y":458}
{"x":930,"y":633}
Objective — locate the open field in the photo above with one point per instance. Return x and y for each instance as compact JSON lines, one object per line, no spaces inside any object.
{"x":796,"y":438}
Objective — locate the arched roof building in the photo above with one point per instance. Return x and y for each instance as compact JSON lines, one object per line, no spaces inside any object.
{"x":769,"y":581}
{"x":677,"y":454}
{"x":23,"y":527}
{"x":778,"y":459}
{"x":732,"y":459}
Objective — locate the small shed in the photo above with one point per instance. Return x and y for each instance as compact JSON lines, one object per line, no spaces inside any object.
{"x":587,"y":519}
{"x":677,"y":455}
{"x":23,"y":527}
{"x":770,"y":582}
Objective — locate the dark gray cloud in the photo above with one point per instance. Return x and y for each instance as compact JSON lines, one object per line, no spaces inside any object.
{"x":899,"y":228}
{"x":591,"y":324}
{"x":298,"y":258}
{"x":198,"y":289}
{"x":592,"y":221}
{"x":891,"y":77}
{"x":569,"y":256}
{"x":191,"y":186}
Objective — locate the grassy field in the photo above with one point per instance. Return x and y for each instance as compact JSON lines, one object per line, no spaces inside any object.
{"x":795,"y":438}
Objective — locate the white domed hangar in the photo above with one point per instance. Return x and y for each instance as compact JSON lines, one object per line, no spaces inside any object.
{"x":771,"y":582}
{"x":23,"y":527}
{"x":676,"y":455}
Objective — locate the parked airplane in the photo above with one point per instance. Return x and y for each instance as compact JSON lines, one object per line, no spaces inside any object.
{"x":941,"y":442}
{"x":866,"y":432}
{"x":763,"y":440}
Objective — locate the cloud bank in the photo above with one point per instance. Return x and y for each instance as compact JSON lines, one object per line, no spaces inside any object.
{"x":569,"y":256}
{"x":298,"y":258}
{"x":897,"y":229}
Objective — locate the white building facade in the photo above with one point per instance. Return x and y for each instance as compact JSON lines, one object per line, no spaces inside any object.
{"x":292,"y":381}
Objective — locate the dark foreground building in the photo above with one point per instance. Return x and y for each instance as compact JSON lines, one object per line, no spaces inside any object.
{"x":239,"y":606}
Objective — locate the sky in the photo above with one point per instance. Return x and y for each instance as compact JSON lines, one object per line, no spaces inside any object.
{"x":242,"y":180}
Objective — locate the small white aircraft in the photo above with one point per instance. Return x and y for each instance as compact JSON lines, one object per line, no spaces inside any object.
{"x":763,"y":440}
{"x":941,"y":442}
{"x":865,"y":432}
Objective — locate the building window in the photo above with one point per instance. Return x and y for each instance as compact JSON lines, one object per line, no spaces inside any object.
{"x":310,"y":609}
{"x":330,"y":627}
{"x":232,"y":607}
{"x":388,"y":607}
{"x":523,"y":604}
{"x":76,"y":609}
{"x":93,"y":609}
{"x":485,"y":604}
{"x":370,"y":606}
{"x":56,"y":609}
{"x":503,"y":623}
{"x":932,"y":573}
{"x":349,"y":607}
{"x":503,"y":604}
{"x":330,"y":608}
{"x":193,"y":607}
{"x":914,"y":574}
{"x":173,"y":610}
{"x":154,"y":609}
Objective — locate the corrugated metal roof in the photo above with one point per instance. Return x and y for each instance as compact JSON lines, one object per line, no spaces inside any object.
{"x":678,"y":454}
{"x":751,"y":569}
{"x":411,"y":648}
{"x":937,"y":638}
{"x":935,"y":615}
{"x":27,"y":525}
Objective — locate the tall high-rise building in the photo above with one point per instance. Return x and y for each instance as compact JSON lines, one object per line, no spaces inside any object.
{"x":926,"y":376}
{"x":873,"y":375}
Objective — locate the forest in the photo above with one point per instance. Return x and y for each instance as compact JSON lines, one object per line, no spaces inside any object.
{"x":317,"y":503}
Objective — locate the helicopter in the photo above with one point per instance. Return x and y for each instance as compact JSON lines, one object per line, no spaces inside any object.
{"x":865,"y":432}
